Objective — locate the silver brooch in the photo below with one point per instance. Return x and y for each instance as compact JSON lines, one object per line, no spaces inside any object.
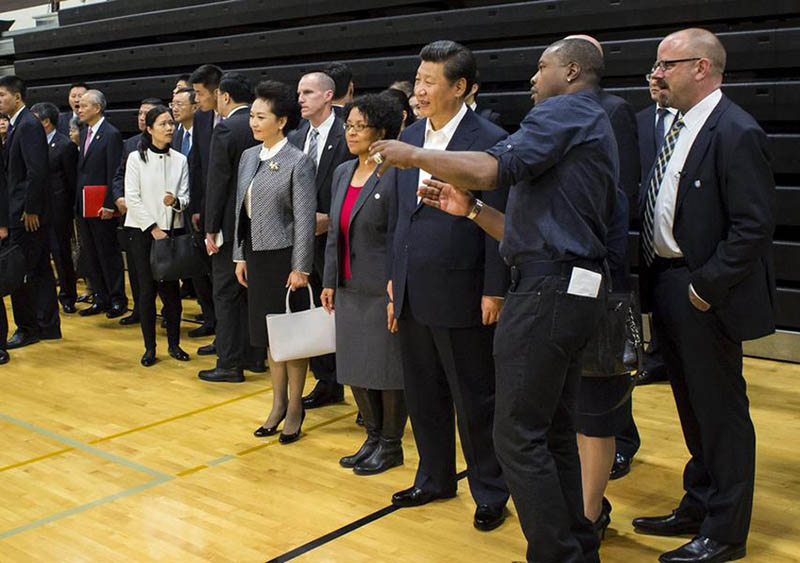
{"x":273,"y":166}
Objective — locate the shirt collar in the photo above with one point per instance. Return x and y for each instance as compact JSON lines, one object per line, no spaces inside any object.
{"x":324,"y":127}
{"x":97,"y":125}
{"x":50,"y":136}
{"x":234,"y":110}
{"x":672,"y":111}
{"x":450,"y":127}
{"x":699,"y":113}
{"x":14,"y":117}
{"x":267,"y":153}
{"x":473,"y":106}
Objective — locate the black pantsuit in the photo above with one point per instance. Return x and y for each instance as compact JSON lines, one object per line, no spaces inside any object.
{"x":705,"y":372}
{"x":34,"y":303}
{"x":446,"y":368}
{"x":139,"y":244}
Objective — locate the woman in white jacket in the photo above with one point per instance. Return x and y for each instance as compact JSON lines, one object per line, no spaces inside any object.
{"x":156,"y":193}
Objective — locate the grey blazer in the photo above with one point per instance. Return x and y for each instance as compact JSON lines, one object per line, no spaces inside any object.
{"x":369,"y":223}
{"x":283,"y":204}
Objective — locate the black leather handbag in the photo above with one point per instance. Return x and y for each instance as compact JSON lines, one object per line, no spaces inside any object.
{"x":616,"y":348}
{"x":179,"y":256}
{"x":12,"y":268}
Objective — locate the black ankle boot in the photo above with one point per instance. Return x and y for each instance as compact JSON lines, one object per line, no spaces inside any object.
{"x":388,"y":454}
{"x":369,"y":446}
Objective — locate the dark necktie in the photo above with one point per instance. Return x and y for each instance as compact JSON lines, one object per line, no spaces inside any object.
{"x":312,"y":146}
{"x":660,"y":131}
{"x":648,"y":250}
{"x":186,"y":144}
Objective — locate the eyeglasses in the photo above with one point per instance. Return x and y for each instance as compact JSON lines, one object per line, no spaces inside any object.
{"x":666,"y":64}
{"x":174,"y":105}
{"x":357,"y":127}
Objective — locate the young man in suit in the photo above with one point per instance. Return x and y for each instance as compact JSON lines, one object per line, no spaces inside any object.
{"x":447,"y":285}
{"x":100,"y":154}
{"x":35,"y":304}
{"x":62,"y":177}
{"x":472,"y":103}
{"x":344,"y":90}
{"x":76,"y":91}
{"x":707,"y":276}
{"x":321,"y":136}
{"x":230,"y":139}
{"x":118,"y":188}
{"x":205,"y":83}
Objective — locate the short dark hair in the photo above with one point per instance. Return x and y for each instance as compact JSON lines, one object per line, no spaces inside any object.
{"x":78,"y":85}
{"x":14,"y":85}
{"x":46,"y":110}
{"x":183,"y":78}
{"x":381,"y":111}
{"x":402,"y":99}
{"x":190,"y":91}
{"x":282,"y":100}
{"x":342,"y":77}
{"x":207,"y":75}
{"x":582,"y":52}
{"x":237,"y":86}
{"x":459,"y":62}
{"x":151,"y":102}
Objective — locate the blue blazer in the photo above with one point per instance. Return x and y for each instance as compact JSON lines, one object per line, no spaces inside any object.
{"x":100,"y":163}
{"x":26,"y":157}
{"x":442,"y":265}
{"x":724,"y":222}
{"x":646,"y":127}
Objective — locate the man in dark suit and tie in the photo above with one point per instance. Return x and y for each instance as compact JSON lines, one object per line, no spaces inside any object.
{"x":62,"y":177}
{"x":35,"y":304}
{"x":321,"y":136}
{"x":118,"y":188}
{"x":229,"y":140}
{"x":447,"y":285}
{"x":100,"y":154}
{"x":707,"y":276}
{"x":205,"y":83}
{"x":76,"y":91}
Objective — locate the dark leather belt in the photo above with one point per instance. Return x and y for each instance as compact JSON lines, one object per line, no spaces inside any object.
{"x":535,"y":269}
{"x":663,"y":264}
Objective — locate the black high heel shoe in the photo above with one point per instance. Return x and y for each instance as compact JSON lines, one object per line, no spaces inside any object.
{"x":178,"y":354}
{"x":149,"y":358}
{"x":263,"y":431}
{"x":289,"y":438}
{"x":601,"y":524}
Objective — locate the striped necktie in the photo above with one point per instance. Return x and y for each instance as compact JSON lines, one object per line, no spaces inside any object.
{"x":652,"y":191}
{"x":312,"y":146}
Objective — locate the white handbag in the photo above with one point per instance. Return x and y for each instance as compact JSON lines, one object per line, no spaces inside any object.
{"x":303,"y":334}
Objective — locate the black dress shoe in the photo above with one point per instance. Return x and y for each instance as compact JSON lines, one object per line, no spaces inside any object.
{"x":20,"y":339}
{"x":132,"y":319}
{"x":488,"y":517}
{"x":417,"y":497}
{"x":646,"y":377}
{"x":679,"y":523}
{"x":621,"y":467}
{"x":85,"y":298}
{"x":294,"y":436}
{"x":705,"y":550}
{"x":256,"y":367}
{"x":263,"y":431}
{"x":4,"y":357}
{"x":149,"y":358}
{"x":95,"y":309}
{"x":601,"y":524}
{"x":207,"y":350}
{"x":178,"y":354}
{"x":359,"y":419}
{"x":228,"y":375}
{"x":115,"y":311}
{"x":324,"y":394}
{"x":68,"y":308}
{"x":201,"y":331}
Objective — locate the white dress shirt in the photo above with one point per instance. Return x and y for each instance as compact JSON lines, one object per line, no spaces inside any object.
{"x":664,"y":213}
{"x":50,"y":136}
{"x":439,"y":139}
{"x":93,"y":129}
{"x":14,"y":117}
{"x":324,"y":128}
{"x":265,"y":154}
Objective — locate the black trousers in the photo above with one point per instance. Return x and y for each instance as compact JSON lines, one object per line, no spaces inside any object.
{"x":59,"y":233}
{"x":3,"y":325}
{"x":126,"y":244}
{"x":103,"y":261}
{"x":205,"y":297}
{"x":35,"y":304}
{"x":450,"y":371}
{"x":323,"y":367}
{"x":230,"y":305}
{"x":537,"y":349}
{"x":705,"y":371}
{"x":139,"y":244}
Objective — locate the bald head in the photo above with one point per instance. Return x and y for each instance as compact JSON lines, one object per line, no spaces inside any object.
{"x":590,"y":39}
{"x":321,"y":80}
{"x":699,"y":42}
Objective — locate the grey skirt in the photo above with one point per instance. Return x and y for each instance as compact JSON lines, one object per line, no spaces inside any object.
{"x":367,"y":354}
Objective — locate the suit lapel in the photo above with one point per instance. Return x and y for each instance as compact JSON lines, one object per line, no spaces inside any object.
{"x":97,"y":137}
{"x":407,"y":179}
{"x":335,"y":136}
{"x":340,"y":192}
{"x":363,"y":196}
{"x":698,"y":151}
{"x":298,"y":136}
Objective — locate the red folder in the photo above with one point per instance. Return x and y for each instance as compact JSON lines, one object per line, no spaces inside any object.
{"x":93,"y":198}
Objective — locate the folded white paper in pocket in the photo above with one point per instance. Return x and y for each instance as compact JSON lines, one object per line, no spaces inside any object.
{"x":585,"y":283}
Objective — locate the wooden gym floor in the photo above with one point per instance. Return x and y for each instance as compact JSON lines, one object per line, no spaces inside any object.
{"x":104,"y":460}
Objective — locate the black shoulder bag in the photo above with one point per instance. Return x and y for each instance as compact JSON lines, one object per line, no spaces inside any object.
{"x":12,"y":268}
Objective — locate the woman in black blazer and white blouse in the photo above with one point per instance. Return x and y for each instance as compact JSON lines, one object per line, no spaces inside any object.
{"x":367,"y":354}
{"x":156,"y":193}
{"x":276,"y":202}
